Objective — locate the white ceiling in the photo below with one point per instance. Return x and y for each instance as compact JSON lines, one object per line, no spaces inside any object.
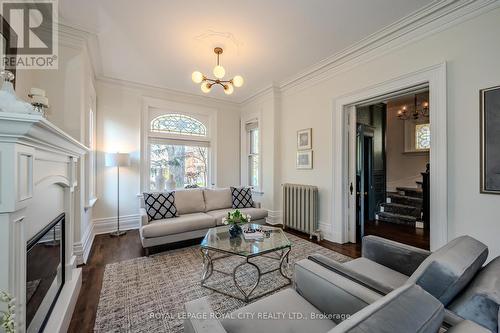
{"x":161,"y":43}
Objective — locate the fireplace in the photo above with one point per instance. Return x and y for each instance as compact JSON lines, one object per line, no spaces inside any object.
{"x":44,"y":273}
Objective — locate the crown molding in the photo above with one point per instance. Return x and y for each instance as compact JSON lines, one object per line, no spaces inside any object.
{"x":203,"y":100}
{"x":435,"y":17}
{"x":80,"y":39}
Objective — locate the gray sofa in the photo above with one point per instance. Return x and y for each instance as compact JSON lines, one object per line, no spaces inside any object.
{"x":320,"y":302}
{"x":450,"y":274}
{"x":198,"y":210}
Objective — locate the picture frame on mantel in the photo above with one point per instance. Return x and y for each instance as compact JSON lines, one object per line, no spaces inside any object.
{"x":490,"y":140}
{"x":305,"y":160}
{"x":304,"y":139}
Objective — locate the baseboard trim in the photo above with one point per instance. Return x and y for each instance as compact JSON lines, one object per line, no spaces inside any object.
{"x":274,"y":217}
{"x":108,"y":224}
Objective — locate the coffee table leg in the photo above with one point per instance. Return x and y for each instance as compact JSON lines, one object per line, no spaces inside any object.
{"x":284,"y":258}
{"x":246,"y":295}
{"x":208,"y":266}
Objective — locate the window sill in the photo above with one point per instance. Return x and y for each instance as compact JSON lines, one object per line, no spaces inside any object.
{"x":417,"y":152}
{"x":91,"y":203}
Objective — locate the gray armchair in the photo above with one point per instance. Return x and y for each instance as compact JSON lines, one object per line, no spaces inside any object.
{"x":320,"y":301}
{"x":386,"y":265}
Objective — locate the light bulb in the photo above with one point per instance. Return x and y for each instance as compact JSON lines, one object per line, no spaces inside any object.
{"x":206,"y":87}
{"x":197,"y":77}
{"x":219,"y":71}
{"x":228,"y":89}
{"x":238,"y":81}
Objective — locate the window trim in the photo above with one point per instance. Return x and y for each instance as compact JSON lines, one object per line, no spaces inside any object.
{"x":152,"y":108}
{"x":91,"y":157}
{"x":245,"y":151}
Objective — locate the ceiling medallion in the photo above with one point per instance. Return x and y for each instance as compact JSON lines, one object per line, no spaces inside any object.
{"x":219,"y":72}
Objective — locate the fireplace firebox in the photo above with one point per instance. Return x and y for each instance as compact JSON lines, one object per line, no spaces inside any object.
{"x":44,"y":273}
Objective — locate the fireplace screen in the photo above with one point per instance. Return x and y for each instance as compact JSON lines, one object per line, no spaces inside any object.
{"x":44,"y":273}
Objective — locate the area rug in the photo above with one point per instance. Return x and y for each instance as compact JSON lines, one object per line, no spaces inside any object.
{"x":147,"y":294}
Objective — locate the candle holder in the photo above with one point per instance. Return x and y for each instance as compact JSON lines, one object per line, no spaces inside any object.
{"x":40,"y":108}
{"x":39,"y":101}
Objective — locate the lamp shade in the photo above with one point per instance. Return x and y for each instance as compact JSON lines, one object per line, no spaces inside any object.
{"x":117,"y":159}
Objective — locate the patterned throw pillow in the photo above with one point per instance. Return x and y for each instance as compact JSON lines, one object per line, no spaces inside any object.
{"x":160,"y":206}
{"x":242,"y":197}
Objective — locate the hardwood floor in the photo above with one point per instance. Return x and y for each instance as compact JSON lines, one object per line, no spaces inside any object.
{"x":107,"y":249}
{"x":399,"y":233}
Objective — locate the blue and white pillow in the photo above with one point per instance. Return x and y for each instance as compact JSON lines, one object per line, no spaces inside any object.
{"x":242,"y":197}
{"x":160,"y":205}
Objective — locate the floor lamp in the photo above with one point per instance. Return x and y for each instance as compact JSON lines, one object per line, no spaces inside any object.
{"x":118,"y":160}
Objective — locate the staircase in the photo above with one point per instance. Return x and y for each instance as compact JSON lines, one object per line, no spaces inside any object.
{"x":402,"y":207}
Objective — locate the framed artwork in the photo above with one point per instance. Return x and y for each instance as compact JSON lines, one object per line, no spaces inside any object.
{"x":490,"y":140}
{"x":305,"y":160}
{"x":304,"y":139}
{"x":8,"y":39}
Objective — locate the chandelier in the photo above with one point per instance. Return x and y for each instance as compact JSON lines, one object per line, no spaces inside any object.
{"x":219,"y":72}
{"x":419,"y":111}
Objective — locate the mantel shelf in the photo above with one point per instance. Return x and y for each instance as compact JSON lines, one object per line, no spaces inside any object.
{"x":36,"y":130}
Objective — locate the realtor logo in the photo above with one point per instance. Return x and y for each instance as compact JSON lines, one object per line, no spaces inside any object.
{"x":29,"y":30}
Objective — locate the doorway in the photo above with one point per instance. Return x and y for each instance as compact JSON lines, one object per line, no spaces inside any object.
{"x":391,"y":167}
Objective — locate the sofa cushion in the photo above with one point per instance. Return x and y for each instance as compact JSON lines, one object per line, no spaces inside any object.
{"x":241,"y":197}
{"x":385,"y":278}
{"x":160,"y":205}
{"x":404,"y":310}
{"x":480,"y":301}
{"x":255,"y":213}
{"x":189,"y":201}
{"x":449,"y":269}
{"x":219,"y":198}
{"x":176,"y":225}
{"x":286,"y":302}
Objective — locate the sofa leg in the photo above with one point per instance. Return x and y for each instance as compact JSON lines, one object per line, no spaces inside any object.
{"x":145,"y":251}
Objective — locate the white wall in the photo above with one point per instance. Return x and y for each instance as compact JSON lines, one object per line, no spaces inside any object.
{"x":267,"y":109}
{"x":69,"y":89}
{"x":471,"y":52}
{"x":119,"y":129}
{"x":403,"y":169}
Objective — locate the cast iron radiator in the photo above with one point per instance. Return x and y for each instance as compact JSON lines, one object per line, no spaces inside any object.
{"x":300,"y":209}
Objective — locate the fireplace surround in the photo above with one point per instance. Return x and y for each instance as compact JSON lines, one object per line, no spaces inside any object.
{"x":44,"y":273}
{"x":40,"y":169}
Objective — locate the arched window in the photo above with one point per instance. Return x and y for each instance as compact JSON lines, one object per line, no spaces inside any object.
{"x":422,"y":136}
{"x":178,"y":124}
{"x":180,"y":159}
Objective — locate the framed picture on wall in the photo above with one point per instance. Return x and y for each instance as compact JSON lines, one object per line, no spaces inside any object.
{"x":490,"y":140}
{"x":305,"y":160}
{"x":304,"y":139}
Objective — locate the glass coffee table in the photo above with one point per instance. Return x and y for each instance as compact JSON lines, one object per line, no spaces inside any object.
{"x":218,"y":242}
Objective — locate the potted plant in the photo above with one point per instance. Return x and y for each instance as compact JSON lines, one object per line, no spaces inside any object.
{"x":235,"y":219}
{"x":7,"y":317}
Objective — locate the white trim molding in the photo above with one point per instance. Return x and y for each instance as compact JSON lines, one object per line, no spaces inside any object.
{"x":152,"y":105}
{"x":435,"y":77}
{"x":108,"y":224}
{"x":274,"y":217}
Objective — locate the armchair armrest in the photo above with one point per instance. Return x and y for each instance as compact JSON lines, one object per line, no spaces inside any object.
{"x":408,"y":309}
{"x":200,"y":318}
{"x":350,"y":274}
{"x":330,"y":292}
{"x":402,"y":258}
{"x":144,"y":216}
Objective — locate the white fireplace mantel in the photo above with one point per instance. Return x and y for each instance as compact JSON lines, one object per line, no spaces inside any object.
{"x":37,"y":159}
